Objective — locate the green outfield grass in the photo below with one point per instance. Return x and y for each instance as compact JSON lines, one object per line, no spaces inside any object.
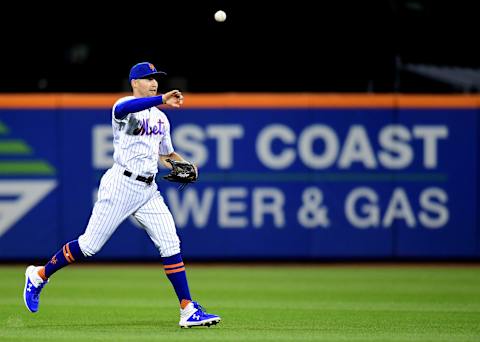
{"x":317,"y":303}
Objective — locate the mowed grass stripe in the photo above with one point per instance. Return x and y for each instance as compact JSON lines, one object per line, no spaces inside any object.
{"x":276,"y":303}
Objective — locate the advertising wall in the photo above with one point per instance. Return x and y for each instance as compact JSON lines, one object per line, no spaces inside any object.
{"x":281,"y":176}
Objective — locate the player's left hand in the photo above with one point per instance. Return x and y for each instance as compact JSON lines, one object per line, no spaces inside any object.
{"x":182,"y":172}
{"x":173,"y":98}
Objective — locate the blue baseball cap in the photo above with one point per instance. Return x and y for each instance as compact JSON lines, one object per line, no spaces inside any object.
{"x":144,"y":70}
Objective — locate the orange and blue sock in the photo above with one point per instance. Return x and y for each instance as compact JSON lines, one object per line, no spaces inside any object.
{"x":175,"y":271}
{"x":69,"y":253}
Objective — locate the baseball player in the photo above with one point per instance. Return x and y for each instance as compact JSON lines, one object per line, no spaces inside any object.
{"x":141,"y":136}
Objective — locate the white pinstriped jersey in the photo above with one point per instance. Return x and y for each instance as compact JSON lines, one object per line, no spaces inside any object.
{"x":139,"y":138}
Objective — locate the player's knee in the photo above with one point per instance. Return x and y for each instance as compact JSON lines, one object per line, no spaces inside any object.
{"x":170,"y":249}
{"x":87,"y":248}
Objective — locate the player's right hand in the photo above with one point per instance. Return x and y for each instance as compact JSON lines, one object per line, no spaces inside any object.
{"x":173,"y":98}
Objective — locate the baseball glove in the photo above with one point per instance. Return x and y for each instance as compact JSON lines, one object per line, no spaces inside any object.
{"x":182,"y":172}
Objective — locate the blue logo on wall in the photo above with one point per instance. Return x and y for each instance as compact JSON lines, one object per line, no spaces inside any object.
{"x":19,"y":195}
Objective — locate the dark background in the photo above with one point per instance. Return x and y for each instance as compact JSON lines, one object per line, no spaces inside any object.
{"x":318,"y":46}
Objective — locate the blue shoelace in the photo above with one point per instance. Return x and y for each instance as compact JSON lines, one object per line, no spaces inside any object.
{"x":199,"y":307}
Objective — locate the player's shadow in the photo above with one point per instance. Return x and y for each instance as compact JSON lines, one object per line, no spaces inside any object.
{"x":120,"y":324}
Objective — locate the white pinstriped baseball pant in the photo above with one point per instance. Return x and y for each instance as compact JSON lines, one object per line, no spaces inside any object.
{"x":118,"y":198}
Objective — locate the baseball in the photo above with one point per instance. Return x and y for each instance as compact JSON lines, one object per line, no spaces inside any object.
{"x":220,"y":16}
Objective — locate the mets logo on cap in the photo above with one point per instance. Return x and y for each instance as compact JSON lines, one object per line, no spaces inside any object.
{"x":151,"y":66}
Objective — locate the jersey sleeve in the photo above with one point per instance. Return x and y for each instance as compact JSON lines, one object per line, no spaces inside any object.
{"x":166,"y":146}
{"x":133,"y":105}
{"x":119,"y":101}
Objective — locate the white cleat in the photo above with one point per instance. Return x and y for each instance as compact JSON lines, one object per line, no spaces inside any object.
{"x":33,"y":286}
{"x":195,"y":316}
